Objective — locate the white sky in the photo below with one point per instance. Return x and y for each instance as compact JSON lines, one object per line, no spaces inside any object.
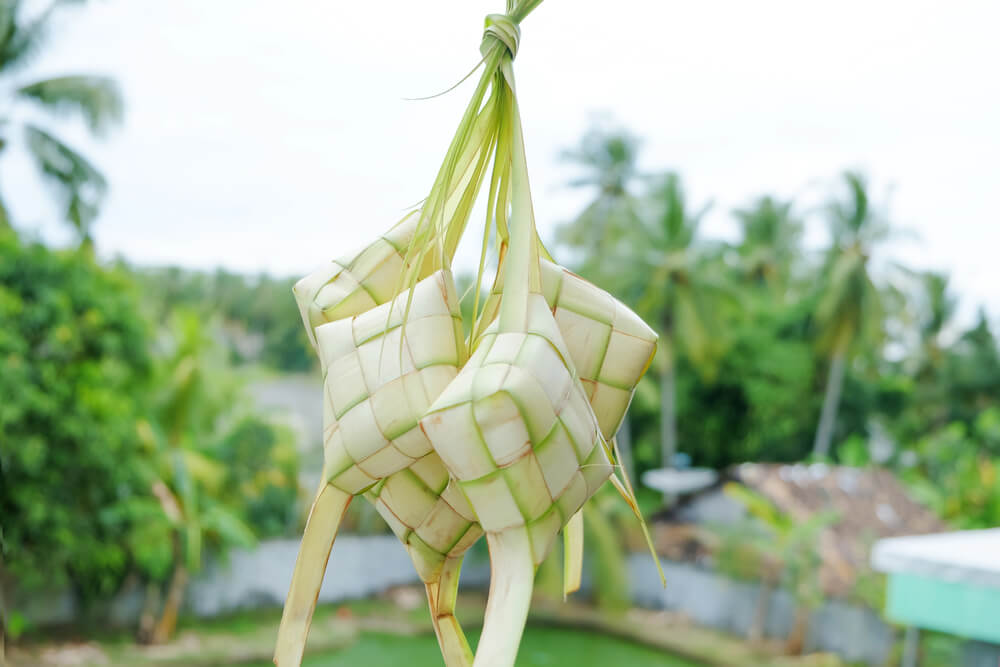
{"x":273,"y":136}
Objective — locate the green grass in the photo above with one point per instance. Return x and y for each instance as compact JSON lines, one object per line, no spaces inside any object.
{"x":541,"y":647}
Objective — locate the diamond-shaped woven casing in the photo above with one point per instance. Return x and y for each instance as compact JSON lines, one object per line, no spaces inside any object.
{"x":516,"y":431}
{"x":357,"y":282}
{"x":610,"y":346}
{"x":428,"y":513}
{"x":379,"y":380}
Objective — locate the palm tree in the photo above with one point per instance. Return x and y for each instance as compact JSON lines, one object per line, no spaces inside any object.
{"x":607,"y":159}
{"x":185,"y":479}
{"x":79,"y":185}
{"x":770,"y":241}
{"x":663,"y":272}
{"x":972,"y":371}
{"x":849,"y":304}
{"x":939,"y":308}
{"x":608,"y":162}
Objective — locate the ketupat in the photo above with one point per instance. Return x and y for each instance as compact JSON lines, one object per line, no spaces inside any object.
{"x":345,"y":288}
{"x":515,"y":427}
{"x":516,"y":430}
{"x":533,"y":444}
{"x":376,"y":387}
{"x":611,"y":347}
{"x":432,"y":517}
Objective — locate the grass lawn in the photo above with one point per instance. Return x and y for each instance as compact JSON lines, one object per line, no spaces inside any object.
{"x":541,"y":647}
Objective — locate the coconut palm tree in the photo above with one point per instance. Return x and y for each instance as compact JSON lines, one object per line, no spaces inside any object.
{"x":79,"y":185}
{"x":641,"y":246}
{"x":771,"y":234}
{"x":607,"y":159}
{"x":849,"y":304}
{"x":939,"y":307}
{"x":663,"y":272}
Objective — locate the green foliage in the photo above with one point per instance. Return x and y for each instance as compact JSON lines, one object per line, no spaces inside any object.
{"x":750,"y":332}
{"x":221,"y":475}
{"x":606,"y":160}
{"x":95,"y":98}
{"x":121,"y":450}
{"x":260,"y":321}
{"x":769,"y":249}
{"x":785,"y":543}
{"x":957,"y":471}
{"x":74,"y":368}
{"x":261,"y":465}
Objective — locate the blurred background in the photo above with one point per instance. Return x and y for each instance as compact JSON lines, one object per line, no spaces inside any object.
{"x":800,"y":199}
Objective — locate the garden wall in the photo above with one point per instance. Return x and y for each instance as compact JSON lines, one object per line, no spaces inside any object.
{"x":365,"y":566}
{"x":853,"y":632}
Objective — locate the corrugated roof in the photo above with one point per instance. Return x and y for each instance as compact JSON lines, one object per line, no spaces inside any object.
{"x":870,"y":504}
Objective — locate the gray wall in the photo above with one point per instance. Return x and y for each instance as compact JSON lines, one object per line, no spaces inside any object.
{"x":854,"y":633}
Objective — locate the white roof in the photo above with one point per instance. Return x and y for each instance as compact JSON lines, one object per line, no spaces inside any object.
{"x":971,"y":556}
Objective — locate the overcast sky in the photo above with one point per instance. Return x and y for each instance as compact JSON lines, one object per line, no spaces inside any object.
{"x":273,"y":136}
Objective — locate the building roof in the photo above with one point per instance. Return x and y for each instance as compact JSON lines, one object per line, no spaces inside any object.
{"x":870,"y":504}
{"x":971,"y":556}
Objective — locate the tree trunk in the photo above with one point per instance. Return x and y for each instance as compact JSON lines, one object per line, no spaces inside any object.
{"x":831,"y":401}
{"x":147,"y":618}
{"x":3,"y":596}
{"x":165,"y":627}
{"x":668,"y":406}
{"x":759,"y":623}
{"x":800,"y":626}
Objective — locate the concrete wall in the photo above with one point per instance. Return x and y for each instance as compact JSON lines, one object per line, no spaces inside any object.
{"x":855,"y":633}
{"x":359,"y":567}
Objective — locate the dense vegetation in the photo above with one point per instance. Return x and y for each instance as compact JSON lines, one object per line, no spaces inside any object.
{"x":260,"y":321}
{"x":772,"y":352}
{"x":125,"y":446}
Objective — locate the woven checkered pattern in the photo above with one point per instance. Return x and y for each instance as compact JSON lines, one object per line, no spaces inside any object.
{"x":596,"y":328}
{"x":377,"y":384}
{"x":355,"y":283}
{"x":516,"y":431}
{"x":428,"y":513}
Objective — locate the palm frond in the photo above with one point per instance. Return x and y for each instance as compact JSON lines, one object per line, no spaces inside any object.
{"x":21,"y":41}
{"x":608,"y":156}
{"x":81,"y":185}
{"x":96,"y":98}
{"x":8,"y":10}
{"x":228,"y":525}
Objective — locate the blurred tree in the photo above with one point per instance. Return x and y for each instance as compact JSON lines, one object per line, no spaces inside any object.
{"x":261,"y":322}
{"x":96,"y":100}
{"x":207,"y":474}
{"x":939,"y":309}
{"x":781,"y":550}
{"x":849,"y":305}
{"x":972,"y":372}
{"x":957,"y":471}
{"x":929,"y":404}
{"x":608,"y":161}
{"x":770,"y":243}
{"x":664,"y":275}
{"x":74,"y":376}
